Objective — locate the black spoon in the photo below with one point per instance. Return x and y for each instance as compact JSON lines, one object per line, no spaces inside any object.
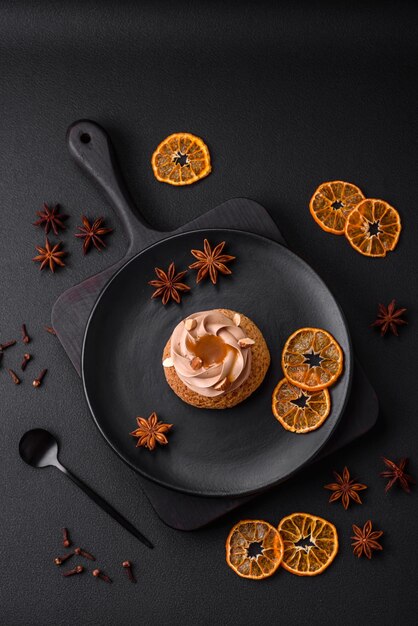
{"x":39,"y":448}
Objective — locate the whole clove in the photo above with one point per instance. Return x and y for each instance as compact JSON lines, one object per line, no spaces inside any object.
{"x":59,"y":560}
{"x":66,"y":542}
{"x":25,"y":336}
{"x":38,"y":381}
{"x":8,"y":344}
{"x":97,"y":573}
{"x":26,"y":358}
{"x":15,"y":378}
{"x":77,"y":570}
{"x":128,"y":566}
{"x":87,"y":555}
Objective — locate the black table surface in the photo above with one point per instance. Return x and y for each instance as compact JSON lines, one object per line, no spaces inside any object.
{"x":286,"y":98}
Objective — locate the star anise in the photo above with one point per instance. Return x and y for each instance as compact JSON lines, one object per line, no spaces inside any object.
{"x":168,"y":284}
{"x":151,"y":432}
{"x":365,"y":540}
{"x":345,"y":488}
{"x":395,"y":473}
{"x":388,"y":318}
{"x":92,"y":233}
{"x":211,"y":261}
{"x":51,"y":255}
{"x":51,"y":218}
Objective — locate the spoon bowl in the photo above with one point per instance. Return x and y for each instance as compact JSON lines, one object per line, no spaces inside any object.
{"x":39,"y":448}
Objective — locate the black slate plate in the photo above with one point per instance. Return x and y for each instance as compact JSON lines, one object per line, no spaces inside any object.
{"x":230,"y":452}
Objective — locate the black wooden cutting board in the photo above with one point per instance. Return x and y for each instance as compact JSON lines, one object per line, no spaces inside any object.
{"x":91,"y":148}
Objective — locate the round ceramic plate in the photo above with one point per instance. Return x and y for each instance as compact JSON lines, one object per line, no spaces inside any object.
{"x":230,"y":452}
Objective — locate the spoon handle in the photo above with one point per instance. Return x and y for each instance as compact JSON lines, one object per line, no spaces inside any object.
{"x":106,"y":506}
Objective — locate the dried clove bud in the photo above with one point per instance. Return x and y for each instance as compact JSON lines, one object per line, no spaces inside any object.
{"x":65,"y":538}
{"x":59,"y":560}
{"x":25,"y":336}
{"x":8,"y":344}
{"x":15,"y":378}
{"x":87,"y":555}
{"x":128,"y":566}
{"x":77,"y":570}
{"x":38,"y":381}
{"x":26,"y":358}
{"x":97,"y":573}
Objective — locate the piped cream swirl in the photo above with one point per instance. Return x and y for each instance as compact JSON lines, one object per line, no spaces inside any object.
{"x":235,"y":366}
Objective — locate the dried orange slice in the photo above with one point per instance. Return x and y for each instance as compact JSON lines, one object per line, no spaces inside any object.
{"x":181,"y":159}
{"x":373,"y":227}
{"x":297,"y":410}
{"x":254,"y":549}
{"x":332,"y":203}
{"x":310,"y":543}
{"x":312,"y":359}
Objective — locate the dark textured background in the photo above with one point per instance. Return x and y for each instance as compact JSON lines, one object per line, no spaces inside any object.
{"x":285,"y":98}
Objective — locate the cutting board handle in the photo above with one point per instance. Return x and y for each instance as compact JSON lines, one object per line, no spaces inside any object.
{"x":91,"y":148}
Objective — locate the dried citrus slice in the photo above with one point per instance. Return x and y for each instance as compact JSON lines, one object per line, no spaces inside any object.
{"x":254,"y":549}
{"x":310,"y":543}
{"x":373,"y":227}
{"x":312,"y":359}
{"x":297,"y":410}
{"x":332,"y":203}
{"x":181,"y":159}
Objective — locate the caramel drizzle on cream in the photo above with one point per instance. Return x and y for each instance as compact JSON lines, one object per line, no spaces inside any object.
{"x":213,"y":344}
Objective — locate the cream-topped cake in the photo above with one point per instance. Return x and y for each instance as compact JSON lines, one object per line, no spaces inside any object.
{"x":215,"y":358}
